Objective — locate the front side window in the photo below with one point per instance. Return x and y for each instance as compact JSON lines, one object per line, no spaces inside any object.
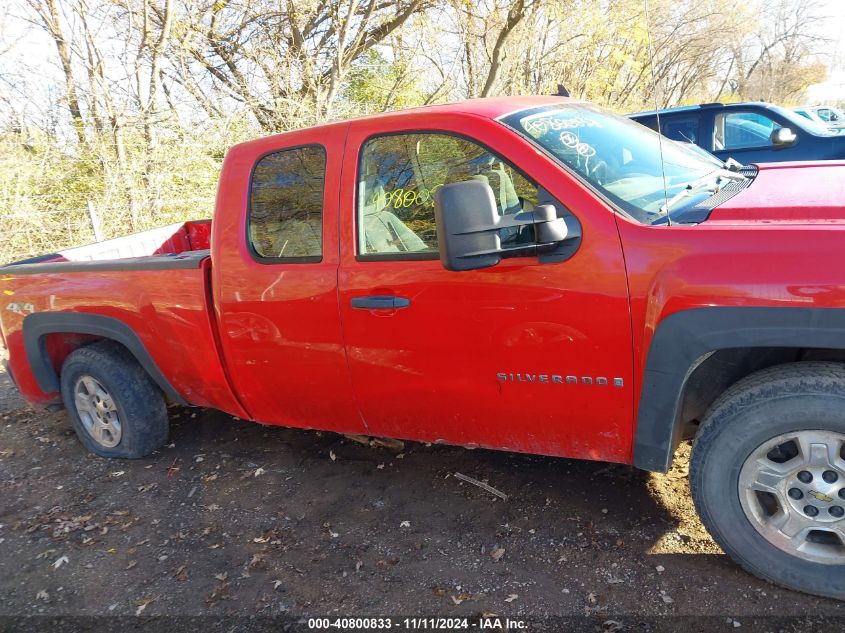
{"x":399,"y":175}
{"x":741,"y":130}
{"x":286,"y":205}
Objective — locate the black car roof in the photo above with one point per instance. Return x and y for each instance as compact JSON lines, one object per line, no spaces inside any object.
{"x":702,"y":106}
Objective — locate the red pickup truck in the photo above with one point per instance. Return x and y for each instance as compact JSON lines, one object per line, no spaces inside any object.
{"x":523,"y":274}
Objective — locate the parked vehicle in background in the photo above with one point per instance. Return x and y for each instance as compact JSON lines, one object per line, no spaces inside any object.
{"x":833,"y":117}
{"x":529,"y":274}
{"x":810,"y":114}
{"x":748,"y":132}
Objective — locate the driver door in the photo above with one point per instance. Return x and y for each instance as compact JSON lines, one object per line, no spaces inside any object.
{"x":521,"y":356}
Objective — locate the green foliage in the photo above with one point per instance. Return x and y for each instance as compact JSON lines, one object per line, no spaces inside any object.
{"x":45,"y":185}
{"x":385,"y":84}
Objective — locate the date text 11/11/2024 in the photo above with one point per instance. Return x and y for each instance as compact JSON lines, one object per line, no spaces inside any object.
{"x":483,"y":623}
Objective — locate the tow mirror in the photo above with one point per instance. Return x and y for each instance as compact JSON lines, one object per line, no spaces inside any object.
{"x":468,"y":225}
{"x":783,"y":137}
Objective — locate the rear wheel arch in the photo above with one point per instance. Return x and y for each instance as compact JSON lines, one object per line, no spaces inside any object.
{"x":38,"y":327}
{"x":113,"y":404}
{"x":697,"y":354}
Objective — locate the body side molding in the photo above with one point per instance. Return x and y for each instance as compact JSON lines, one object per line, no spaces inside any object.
{"x":38,"y":325}
{"x":684,"y":339}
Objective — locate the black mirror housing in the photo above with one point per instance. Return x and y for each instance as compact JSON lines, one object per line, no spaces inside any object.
{"x":468,"y":225}
{"x":463,"y":212}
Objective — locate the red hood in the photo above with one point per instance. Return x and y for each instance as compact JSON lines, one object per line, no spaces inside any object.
{"x":789,"y":193}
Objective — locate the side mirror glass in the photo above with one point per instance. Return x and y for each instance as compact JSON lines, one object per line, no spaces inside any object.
{"x":783,"y":137}
{"x":468,"y":225}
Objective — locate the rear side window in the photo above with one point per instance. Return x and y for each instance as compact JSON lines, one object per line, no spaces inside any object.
{"x":286,"y":205}
{"x":398,"y":177}
{"x":684,"y":129}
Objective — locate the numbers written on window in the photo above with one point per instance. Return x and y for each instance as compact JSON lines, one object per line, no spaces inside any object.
{"x":286,"y":205}
{"x":399,"y":176}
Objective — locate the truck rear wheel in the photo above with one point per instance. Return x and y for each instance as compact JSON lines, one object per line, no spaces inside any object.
{"x":768,"y":475}
{"x":114,"y":406}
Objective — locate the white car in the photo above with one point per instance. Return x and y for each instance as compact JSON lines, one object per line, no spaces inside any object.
{"x":827,"y":116}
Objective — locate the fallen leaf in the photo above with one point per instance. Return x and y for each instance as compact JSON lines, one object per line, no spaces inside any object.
{"x":438,"y":591}
{"x":131,"y":564}
{"x":464,"y":596}
{"x":42,"y":595}
{"x":497,"y":553}
{"x":386,"y":442}
{"x":142,"y":604}
{"x":277,"y":584}
{"x":181,"y":573}
{"x":258,"y":561}
{"x":361,"y":439}
{"x":405,"y":524}
{"x":220,"y":592}
{"x":222,"y":577}
{"x":60,"y":561}
{"x":512,"y":597}
{"x":258,"y":471}
{"x":333,"y":456}
{"x":117,"y":473}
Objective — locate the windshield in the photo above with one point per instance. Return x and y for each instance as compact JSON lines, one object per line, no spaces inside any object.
{"x":622,"y":159}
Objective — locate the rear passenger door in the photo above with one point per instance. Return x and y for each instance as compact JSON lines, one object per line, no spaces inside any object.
{"x":486,"y":357}
{"x":275,"y":280}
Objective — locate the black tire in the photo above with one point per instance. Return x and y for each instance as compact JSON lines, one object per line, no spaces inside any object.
{"x":779,"y":400}
{"x":140,"y":404}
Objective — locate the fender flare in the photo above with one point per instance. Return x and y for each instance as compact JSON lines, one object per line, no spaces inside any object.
{"x":37,"y":326}
{"x":683,"y":340}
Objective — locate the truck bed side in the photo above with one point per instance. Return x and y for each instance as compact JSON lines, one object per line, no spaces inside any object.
{"x":158,"y":306}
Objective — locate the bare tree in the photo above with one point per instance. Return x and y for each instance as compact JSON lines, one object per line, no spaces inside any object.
{"x":47,"y":14}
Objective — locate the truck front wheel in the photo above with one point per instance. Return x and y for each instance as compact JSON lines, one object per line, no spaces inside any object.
{"x":768,"y":475}
{"x":114,"y":406}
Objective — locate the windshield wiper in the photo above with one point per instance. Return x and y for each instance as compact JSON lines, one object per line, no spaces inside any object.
{"x":696,"y":184}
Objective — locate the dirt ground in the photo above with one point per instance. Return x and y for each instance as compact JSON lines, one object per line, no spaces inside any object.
{"x":236,"y":518}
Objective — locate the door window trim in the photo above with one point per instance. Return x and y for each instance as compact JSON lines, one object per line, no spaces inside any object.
{"x":300,"y":259}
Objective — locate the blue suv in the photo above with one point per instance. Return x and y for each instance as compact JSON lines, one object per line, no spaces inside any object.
{"x":747,"y":132}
